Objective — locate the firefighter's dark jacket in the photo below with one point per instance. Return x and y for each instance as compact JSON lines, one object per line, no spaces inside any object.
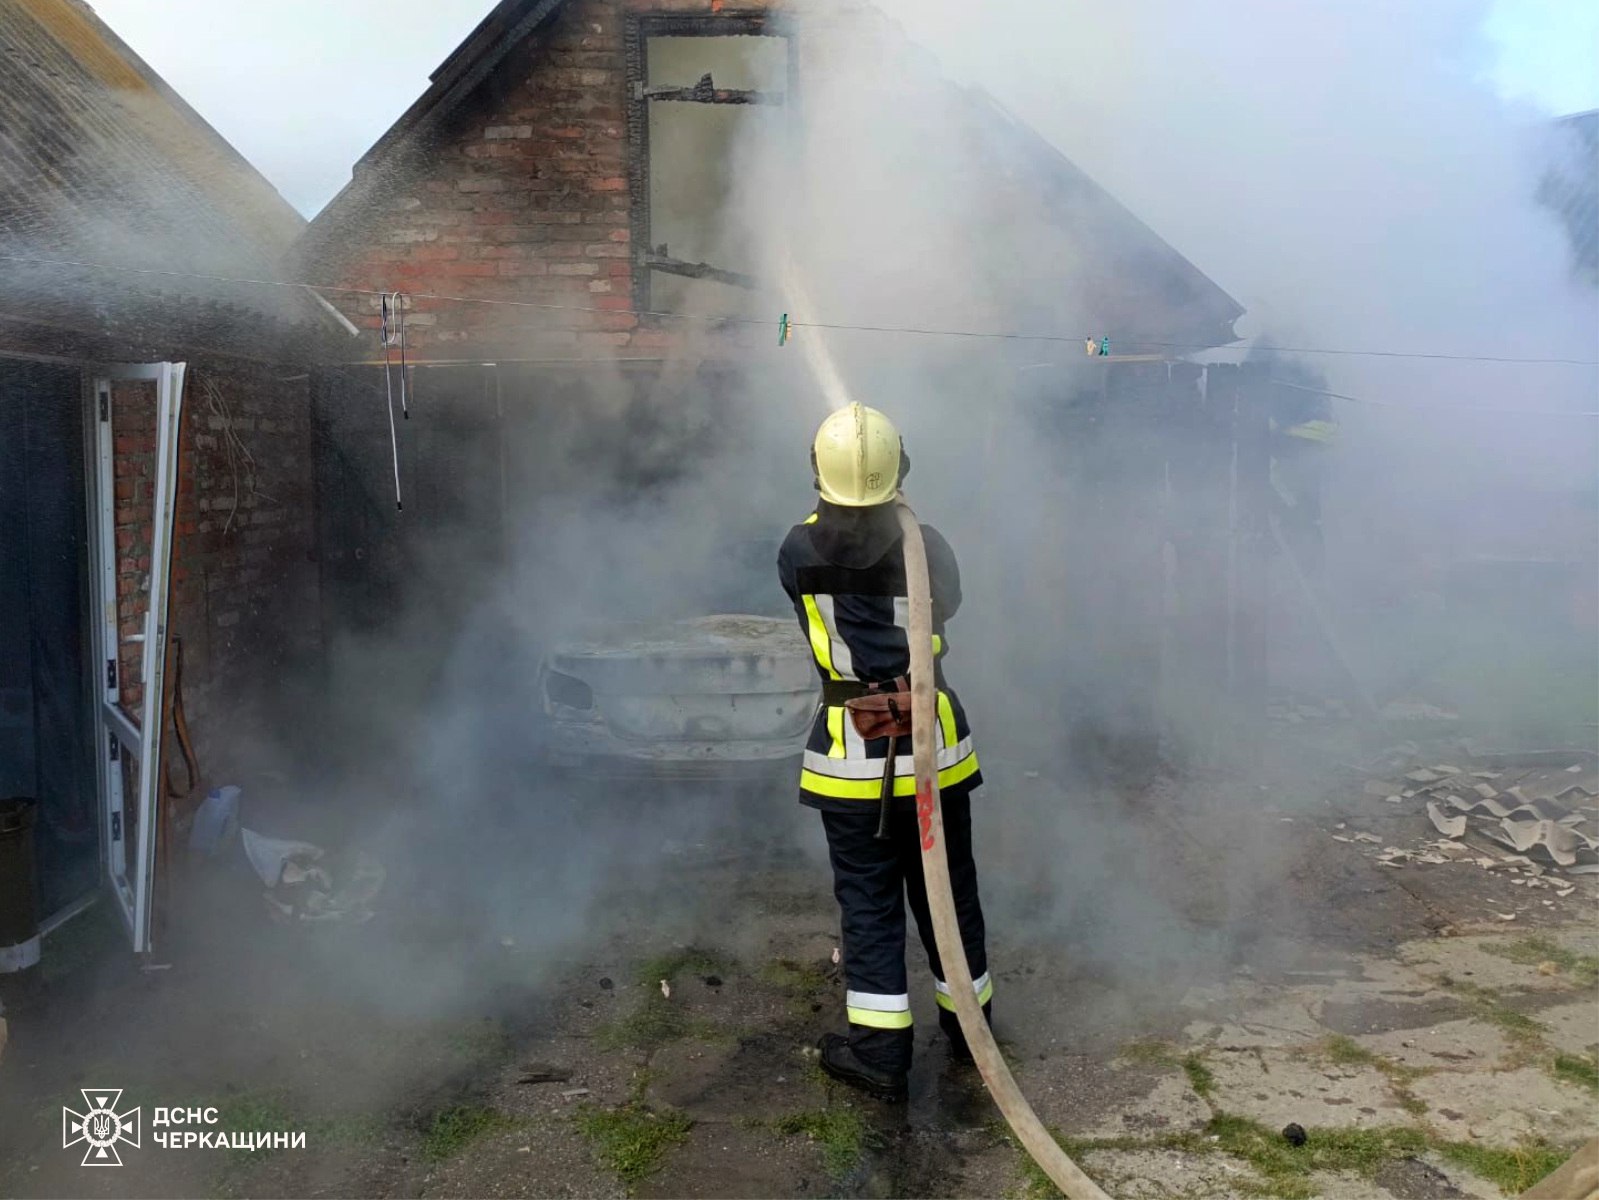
{"x":844,"y":571}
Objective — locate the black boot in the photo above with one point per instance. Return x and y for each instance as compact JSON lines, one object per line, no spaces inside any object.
{"x":840,"y":1061}
{"x":950,"y":1025}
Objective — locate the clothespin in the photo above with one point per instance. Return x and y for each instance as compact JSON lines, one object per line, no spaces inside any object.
{"x":1104,"y":347}
{"x":1090,"y":347}
{"x":782,"y":330}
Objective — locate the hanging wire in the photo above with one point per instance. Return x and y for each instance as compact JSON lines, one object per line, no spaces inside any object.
{"x":233,"y":446}
{"x":405,"y":372}
{"x":385,"y":316}
{"x":992,"y":335}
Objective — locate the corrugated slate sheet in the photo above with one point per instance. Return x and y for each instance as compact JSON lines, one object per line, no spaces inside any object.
{"x":101,"y":162}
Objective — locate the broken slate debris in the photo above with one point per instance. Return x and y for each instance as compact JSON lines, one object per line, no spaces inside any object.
{"x":1451,"y":827}
{"x":1544,"y":813}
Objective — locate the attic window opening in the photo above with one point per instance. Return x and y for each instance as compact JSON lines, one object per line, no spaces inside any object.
{"x":703,"y":93}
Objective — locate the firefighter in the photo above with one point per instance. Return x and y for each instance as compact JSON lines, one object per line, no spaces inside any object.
{"x":843,"y":568}
{"x":1302,"y":431}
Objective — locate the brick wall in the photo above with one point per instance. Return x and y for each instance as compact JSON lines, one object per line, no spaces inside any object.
{"x":133,"y":417}
{"x":527,"y":199}
{"x":244,"y":593}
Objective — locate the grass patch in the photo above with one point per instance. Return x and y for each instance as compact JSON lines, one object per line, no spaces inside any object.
{"x":1487,"y":1006}
{"x":1346,"y":1052}
{"x":803,"y":984}
{"x":251,"y":1112}
{"x":1518,"y":1026}
{"x":1410,"y":1102}
{"x":257,"y":1110}
{"x":1535,"y":951}
{"x":653,"y":1024}
{"x":1577,"y":1069}
{"x":658,"y":1020}
{"x":840,"y":1132}
{"x":1284,"y":1170}
{"x":1035,"y":1184}
{"x":455,"y":1128}
{"x":1514,"y":1170}
{"x":1200,"y":1077}
{"x":1286,"y":1167}
{"x":1151,"y":1051}
{"x":632,"y":1139}
{"x":686,"y":960}
{"x":479,"y":1041}
{"x":347,"y":1129}
{"x":794,"y":976}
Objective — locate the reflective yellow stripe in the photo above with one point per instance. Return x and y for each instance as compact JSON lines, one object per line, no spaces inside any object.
{"x":1314,"y":431}
{"x":821,"y":642}
{"x":983,"y":997}
{"x":879,"y":1020}
{"x":835,"y":730}
{"x":872,"y":789}
{"x":812,"y":519}
{"x":938,"y":645}
{"x":946,"y":718}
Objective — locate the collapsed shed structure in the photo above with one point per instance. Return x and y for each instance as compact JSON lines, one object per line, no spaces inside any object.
{"x":564,"y":212}
{"x":200,"y":455}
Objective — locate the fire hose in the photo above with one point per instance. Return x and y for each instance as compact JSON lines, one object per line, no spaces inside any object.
{"x":1001,"y":1084}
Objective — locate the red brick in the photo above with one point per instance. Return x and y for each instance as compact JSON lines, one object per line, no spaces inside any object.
{"x":654,"y":339}
{"x":534,"y":181}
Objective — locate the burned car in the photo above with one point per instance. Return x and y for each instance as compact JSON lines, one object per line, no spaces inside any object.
{"x":702,"y":697}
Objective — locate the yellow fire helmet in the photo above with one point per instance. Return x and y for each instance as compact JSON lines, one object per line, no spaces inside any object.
{"x":857,"y":457}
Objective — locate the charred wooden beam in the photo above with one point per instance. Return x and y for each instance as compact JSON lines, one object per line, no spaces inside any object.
{"x":706,"y":92}
{"x":694,"y":270}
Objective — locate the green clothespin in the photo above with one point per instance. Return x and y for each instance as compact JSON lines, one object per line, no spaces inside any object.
{"x":1104,"y":347}
{"x":782,"y":330}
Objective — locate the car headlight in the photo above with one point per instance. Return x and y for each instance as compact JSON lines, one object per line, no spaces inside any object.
{"x":568,"y":691}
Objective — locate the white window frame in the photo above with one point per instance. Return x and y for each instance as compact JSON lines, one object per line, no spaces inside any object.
{"x":114,"y":731}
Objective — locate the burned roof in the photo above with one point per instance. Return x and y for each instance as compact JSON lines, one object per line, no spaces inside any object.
{"x":458,"y":78}
{"x":1140,"y":281}
{"x":101,"y":162}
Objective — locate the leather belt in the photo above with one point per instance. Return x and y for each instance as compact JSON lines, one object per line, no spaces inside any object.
{"x":840,"y":691}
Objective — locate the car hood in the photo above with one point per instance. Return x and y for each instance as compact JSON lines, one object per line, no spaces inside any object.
{"x":729,"y":653}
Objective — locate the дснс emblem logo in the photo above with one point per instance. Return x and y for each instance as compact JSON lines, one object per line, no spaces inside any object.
{"x":101,"y":1127}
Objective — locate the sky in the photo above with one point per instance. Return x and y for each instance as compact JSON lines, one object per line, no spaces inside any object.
{"x":302,"y":87}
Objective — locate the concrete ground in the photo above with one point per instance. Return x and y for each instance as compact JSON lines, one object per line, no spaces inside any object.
{"x":1182,"y":971}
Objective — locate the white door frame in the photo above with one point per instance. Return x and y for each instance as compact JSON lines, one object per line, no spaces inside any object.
{"x":114,"y":731}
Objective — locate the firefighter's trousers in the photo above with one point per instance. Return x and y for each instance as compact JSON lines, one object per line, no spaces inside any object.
{"x":873,"y":880}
